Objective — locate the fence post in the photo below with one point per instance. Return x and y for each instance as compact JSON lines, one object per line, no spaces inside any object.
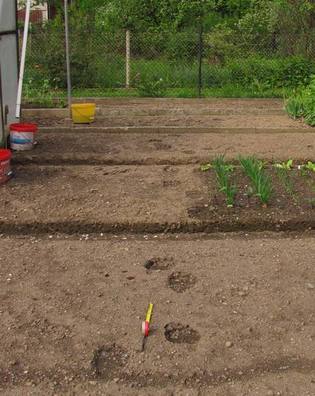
{"x":128,"y":39}
{"x":200,"y":55}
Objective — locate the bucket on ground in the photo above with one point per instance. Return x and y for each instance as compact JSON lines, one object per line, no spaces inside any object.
{"x":83,"y":113}
{"x":5,"y":165}
{"x":22,"y":136}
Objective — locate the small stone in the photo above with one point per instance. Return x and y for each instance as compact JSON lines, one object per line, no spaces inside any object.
{"x":116,"y":380}
{"x":92,"y":382}
{"x":310,"y":286}
{"x":149,"y":264}
{"x":228,"y":344}
{"x":270,"y":393}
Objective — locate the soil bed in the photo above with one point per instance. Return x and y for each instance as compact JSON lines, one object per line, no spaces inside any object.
{"x":130,"y":199}
{"x":284,"y":207}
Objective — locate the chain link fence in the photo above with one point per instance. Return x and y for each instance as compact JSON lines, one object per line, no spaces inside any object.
{"x":179,"y":64}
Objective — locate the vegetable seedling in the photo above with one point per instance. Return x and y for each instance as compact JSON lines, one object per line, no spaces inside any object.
{"x":286,"y":181}
{"x":261,"y":182}
{"x":310,"y":166}
{"x":223,"y":172}
{"x":285,"y":165}
{"x":205,"y":167}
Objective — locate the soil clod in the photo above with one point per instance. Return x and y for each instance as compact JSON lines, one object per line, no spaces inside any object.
{"x":181,"y":281}
{"x":108,"y":360}
{"x":159,"y":263}
{"x":181,"y":334}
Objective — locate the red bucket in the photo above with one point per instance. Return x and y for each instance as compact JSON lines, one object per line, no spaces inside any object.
{"x":5,"y":165}
{"x":22,"y":136}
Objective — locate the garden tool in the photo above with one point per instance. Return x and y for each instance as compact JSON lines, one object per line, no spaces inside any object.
{"x":146,"y":325}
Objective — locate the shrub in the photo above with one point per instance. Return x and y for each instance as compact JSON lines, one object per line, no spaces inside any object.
{"x":153,"y":88}
{"x":295,"y":71}
{"x":259,"y":72}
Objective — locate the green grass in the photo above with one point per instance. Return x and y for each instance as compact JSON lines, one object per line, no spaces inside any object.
{"x":57,"y":98}
{"x":223,"y":172}
{"x":229,"y":91}
{"x":252,"y":77}
{"x":261,"y":182}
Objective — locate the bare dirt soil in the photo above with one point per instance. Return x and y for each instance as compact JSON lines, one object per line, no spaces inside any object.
{"x":87,"y":148}
{"x":95,"y":226}
{"x":214,"y":113}
{"x":145,"y":199}
{"x":72,"y":310}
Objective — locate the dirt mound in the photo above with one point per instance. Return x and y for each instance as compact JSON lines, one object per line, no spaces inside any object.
{"x":159,"y":263}
{"x":107,"y":360}
{"x":181,"y":334}
{"x":181,"y":281}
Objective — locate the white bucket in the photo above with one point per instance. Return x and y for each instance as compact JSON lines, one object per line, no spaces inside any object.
{"x":22,"y":136}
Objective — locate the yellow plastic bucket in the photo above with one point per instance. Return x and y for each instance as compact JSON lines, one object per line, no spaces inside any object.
{"x":83,"y":113}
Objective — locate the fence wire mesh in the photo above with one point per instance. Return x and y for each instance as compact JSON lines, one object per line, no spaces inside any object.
{"x":183,"y":64}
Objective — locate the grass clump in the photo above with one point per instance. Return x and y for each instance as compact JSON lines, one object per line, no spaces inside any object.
{"x":261,"y":182}
{"x":223,"y":173}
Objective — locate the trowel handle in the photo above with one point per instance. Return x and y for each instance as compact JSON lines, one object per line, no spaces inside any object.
{"x":149,"y":313}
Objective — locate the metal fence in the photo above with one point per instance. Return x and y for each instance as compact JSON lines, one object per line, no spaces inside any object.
{"x":191,"y":63}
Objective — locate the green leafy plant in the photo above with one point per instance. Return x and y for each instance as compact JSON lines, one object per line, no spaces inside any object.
{"x":285,"y":165}
{"x":307,"y":168}
{"x":310,"y":166}
{"x":295,"y":106}
{"x":223,"y":172}
{"x":205,"y":167}
{"x":153,"y":88}
{"x":42,"y":95}
{"x":282,"y":170}
{"x":260,"y":181}
{"x":302,"y":104}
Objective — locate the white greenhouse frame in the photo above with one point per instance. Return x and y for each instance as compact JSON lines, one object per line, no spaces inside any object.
{"x":11,"y":71}
{"x":9,"y":63}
